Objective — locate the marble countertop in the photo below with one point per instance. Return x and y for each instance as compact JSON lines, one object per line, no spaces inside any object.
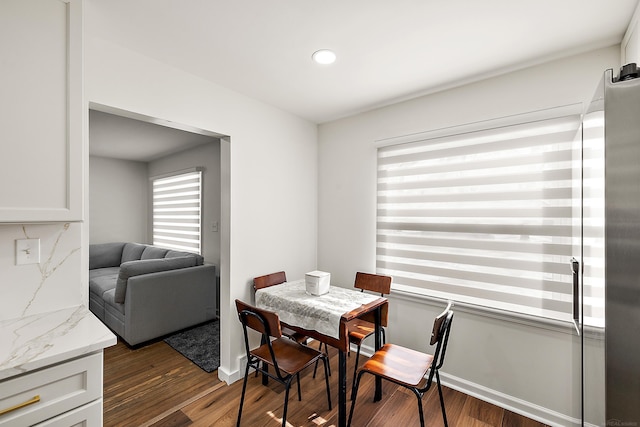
{"x":41,"y":340}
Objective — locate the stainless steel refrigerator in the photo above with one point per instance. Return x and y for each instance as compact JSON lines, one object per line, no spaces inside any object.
{"x":618,"y":103}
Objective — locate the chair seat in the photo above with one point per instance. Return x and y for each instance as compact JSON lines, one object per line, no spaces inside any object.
{"x":359,"y":329}
{"x":291,"y":356}
{"x":399,"y":364}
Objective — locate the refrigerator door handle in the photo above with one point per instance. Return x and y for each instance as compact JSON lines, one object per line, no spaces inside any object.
{"x":575,"y":268}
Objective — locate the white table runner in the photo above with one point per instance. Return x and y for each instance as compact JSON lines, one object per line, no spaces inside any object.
{"x":319,"y":313}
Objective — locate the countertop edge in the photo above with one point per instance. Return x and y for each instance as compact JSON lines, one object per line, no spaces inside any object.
{"x":49,"y":338}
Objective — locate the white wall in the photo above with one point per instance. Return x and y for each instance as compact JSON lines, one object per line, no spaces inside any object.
{"x":517,"y":365}
{"x":206,"y":156}
{"x":272,"y":158}
{"x":630,"y":46}
{"x":118,"y":193}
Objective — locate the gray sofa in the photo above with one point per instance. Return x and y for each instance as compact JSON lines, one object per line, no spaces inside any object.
{"x":143,"y":292}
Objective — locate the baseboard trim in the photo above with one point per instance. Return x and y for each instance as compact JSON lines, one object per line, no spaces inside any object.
{"x":505,"y":401}
{"x":230,"y":377}
{"x":513,"y":404}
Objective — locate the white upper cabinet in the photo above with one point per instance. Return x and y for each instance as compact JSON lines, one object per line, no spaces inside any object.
{"x":41,"y":111}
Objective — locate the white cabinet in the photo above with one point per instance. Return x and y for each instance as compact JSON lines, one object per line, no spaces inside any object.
{"x":66,"y":394}
{"x":41,"y":110}
{"x":86,"y":416}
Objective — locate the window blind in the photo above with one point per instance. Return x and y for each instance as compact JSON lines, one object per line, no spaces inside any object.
{"x":177,"y":204}
{"x":490,"y":218}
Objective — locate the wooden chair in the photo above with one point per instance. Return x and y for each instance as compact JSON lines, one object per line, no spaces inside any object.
{"x":276,"y":279}
{"x":272,"y":280}
{"x":408,"y":368}
{"x":287,"y":357}
{"x":360,"y":329}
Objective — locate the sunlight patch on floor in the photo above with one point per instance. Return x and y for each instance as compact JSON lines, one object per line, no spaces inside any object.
{"x":317,"y":420}
{"x":314,"y":418}
{"x":279,"y":420}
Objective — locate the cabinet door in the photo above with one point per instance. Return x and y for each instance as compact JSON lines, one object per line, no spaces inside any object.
{"x":46,"y":393}
{"x":85,"y":416}
{"x":41,"y":114}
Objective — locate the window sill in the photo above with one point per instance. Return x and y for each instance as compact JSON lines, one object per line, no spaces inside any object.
{"x":591,"y":332}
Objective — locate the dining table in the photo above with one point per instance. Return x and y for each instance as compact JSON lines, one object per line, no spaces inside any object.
{"x":324,"y":318}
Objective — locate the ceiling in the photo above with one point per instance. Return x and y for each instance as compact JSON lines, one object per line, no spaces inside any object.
{"x":124,"y":138}
{"x":388,"y":50}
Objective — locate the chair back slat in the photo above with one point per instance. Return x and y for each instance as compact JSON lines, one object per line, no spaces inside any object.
{"x":269,"y":280}
{"x":373,"y":282}
{"x":437,"y":331}
{"x":263,"y":321}
{"x":440,"y":337}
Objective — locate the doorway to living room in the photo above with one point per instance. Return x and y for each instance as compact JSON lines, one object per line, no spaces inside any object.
{"x":126,"y":149}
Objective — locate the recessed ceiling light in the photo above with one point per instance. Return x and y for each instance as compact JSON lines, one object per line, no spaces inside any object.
{"x":324,"y":56}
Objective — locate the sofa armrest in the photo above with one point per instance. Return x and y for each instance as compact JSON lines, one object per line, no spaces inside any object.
{"x":131,"y":269}
{"x":160,"y":303}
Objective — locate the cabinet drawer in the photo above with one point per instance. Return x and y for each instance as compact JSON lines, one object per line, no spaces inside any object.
{"x":86,"y":416}
{"x":59,"y":388}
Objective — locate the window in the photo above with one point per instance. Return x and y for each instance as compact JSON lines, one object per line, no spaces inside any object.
{"x":177,"y":202}
{"x":493,"y":218}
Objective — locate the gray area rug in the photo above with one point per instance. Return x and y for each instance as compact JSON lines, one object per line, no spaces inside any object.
{"x":200,"y":344}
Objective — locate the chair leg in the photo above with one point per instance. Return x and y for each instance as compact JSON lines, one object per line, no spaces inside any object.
{"x":354,"y":394}
{"x":326,"y":351}
{"x":355,"y":371}
{"x":315,"y":369}
{"x":299,"y":392}
{"x":325,"y":360}
{"x":286,"y":401}
{"x":244,"y":388}
{"x":444,"y":412}
{"x":420,"y":410}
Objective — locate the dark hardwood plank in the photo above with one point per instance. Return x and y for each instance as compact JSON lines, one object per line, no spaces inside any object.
{"x":176,"y":419}
{"x":156,"y":386}
{"x":454,"y":404}
{"x":477,"y":411}
{"x":143,"y":383}
{"x":511,"y":419}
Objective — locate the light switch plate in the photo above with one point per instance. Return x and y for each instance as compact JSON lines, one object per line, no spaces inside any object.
{"x":27,"y":251}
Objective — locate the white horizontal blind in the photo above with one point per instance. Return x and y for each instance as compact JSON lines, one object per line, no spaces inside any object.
{"x":177,"y":202}
{"x":490,"y":218}
{"x":594,"y":220}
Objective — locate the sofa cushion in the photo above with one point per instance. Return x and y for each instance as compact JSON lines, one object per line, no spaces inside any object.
{"x":98,"y":285}
{"x":132,"y":252}
{"x":107,"y":271}
{"x":175,"y":254}
{"x":109,"y":300}
{"x":153,"y":252}
{"x":136,"y":268}
{"x":105,"y":255}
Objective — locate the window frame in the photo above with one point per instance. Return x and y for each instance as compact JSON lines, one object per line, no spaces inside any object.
{"x":552,"y":113}
{"x":194,"y":206}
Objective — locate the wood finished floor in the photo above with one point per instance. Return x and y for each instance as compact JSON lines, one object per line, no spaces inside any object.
{"x":156,"y":386}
